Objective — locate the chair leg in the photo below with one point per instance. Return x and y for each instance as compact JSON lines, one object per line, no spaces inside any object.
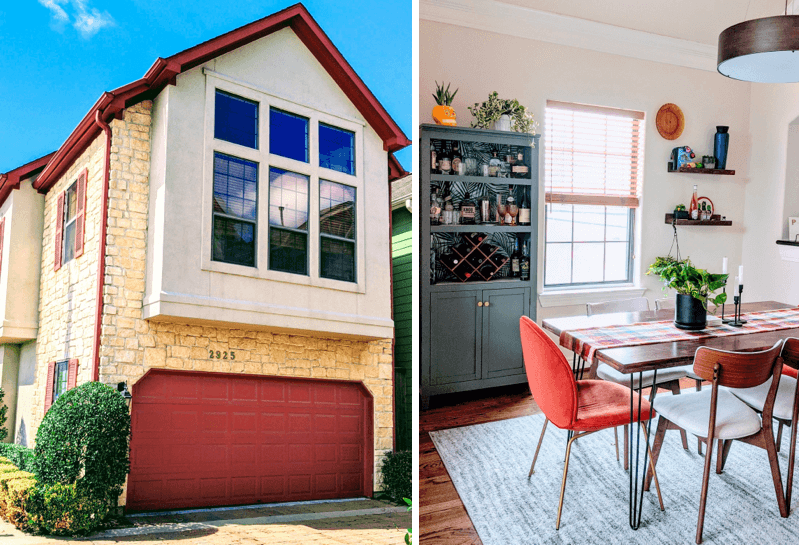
{"x":625,"y":447}
{"x":676,"y":390}
{"x":777,"y":480}
{"x":652,"y":465}
{"x":661,"y":429}
{"x":780,"y":435}
{"x":704,"y":490}
{"x":698,"y":385}
{"x":616,"y":442}
{"x":564,"y":482}
{"x":723,"y":448}
{"x":792,"y":450}
{"x":536,"y":455}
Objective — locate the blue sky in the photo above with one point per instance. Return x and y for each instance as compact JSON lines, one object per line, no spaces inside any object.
{"x":58,"y":56}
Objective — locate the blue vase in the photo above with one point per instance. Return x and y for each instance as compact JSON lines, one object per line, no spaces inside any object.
{"x":721,"y":140}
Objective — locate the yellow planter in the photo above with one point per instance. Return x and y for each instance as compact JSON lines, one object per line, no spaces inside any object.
{"x":444,"y":115}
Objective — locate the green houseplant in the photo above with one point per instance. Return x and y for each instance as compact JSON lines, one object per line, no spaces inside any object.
{"x":695,"y":289}
{"x":493,"y":108}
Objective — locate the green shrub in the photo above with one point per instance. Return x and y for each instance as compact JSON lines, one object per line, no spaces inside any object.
{"x":83,"y":440}
{"x":3,"y":417}
{"x":61,"y":509}
{"x":396,"y":471}
{"x":15,"y":486}
{"x":20,"y":456}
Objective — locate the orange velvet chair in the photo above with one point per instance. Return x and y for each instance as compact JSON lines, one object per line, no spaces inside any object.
{"x":579,"y":406}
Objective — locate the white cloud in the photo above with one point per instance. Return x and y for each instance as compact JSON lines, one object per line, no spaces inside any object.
{"x":85,"y":19}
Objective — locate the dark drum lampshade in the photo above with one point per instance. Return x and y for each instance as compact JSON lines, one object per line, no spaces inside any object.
{"x":760,"y":50}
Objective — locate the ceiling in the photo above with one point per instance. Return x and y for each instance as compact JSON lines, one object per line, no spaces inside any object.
{"x":694,"y":20}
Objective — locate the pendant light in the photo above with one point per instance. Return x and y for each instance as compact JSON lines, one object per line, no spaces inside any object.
{"x":761,"y":50}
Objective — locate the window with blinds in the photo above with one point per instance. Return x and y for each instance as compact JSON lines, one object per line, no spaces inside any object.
{"x":593,"y":171}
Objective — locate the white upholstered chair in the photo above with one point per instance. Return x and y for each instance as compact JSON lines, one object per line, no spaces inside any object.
{"x":662,"y":304}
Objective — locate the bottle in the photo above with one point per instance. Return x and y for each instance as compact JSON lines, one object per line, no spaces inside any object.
{"x":450,"y":259}
{"x":693,"y":210}
{"x":519,"y":169}
{"x":475,"y":238}
{"x":487,"y":270}
{"x":435,"y":209}
{"x":464,"y":271}
{"x":455,"y":159}
{"x":511,"y":211}
{"x":494,"y":165}
{"x":448,"y":206}
{"x":462,"y":248}
{"x":476,"y":259}
{"x":445,"y":163}
{"x":525,"y":264}
{"x":456,"y":214}
{"x":468,"y":209}
{"x":515,"y":259}
{"x":505,"y":167}
{"x":434,"y":165}
{"x":524,"y":209}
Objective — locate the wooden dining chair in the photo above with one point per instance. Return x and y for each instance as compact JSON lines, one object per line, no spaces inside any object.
{"x":717,"y":414}
{"x":668,"y":379}
{"x":784,"y":410}
{"x":667,"y":303}
{"x":580,"y":406}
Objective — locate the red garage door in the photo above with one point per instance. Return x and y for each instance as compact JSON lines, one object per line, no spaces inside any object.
{"x":209,"y":439}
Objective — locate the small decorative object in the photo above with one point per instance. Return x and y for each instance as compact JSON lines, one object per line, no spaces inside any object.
{"x":493,"y":108}
{"x":721,"y":140}
{"x":794,"y":229}
{"x":442,"y":113}
{"x":486,"y":207}
{"x":709,"y":205}
{"x":670,"y":121}
{"x":681,"y":156}
{"x":471,"y":166}
{"x":680,"y":212}
{"x":495,"y":165}
{"x":709,"y":161}
{"x":737,"y":301}
{"x":501,"y":209}
{"x":503,"y":123}
{"x":694,"y":287}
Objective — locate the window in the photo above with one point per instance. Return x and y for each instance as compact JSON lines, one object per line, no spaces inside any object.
{"x":288,"y":135}
{"x":235,"y":210}
{"x":593,"y":165}
{"x":288,"y":220}
{"x":70,"y":213}
{"x":236,"y":120}
{"x":336,"y":149}
{"x":337,"y":225}
{"x":60,"y":379}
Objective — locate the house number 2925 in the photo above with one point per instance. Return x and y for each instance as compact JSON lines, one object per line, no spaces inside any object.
{"x":217,"y":355}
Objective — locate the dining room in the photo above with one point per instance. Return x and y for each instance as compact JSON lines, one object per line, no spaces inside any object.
{"x":607,"y":338}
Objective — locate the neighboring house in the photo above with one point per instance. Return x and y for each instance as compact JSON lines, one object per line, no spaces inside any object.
{"x":216,"y":235}
{"x":401,"y":283}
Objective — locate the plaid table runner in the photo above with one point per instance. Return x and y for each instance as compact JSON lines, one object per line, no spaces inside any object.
{"x":586,"y":342}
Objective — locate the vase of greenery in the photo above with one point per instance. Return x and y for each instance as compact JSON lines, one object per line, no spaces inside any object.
{"x":443,"y":113}
{"x":502,"y":114}
{"x":695,"y":290}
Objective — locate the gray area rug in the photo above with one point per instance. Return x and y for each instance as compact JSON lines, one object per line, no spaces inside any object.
{"x":489,"y":464}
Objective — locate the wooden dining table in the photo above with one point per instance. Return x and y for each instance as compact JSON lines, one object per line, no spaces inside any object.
{"x":656,"y":356}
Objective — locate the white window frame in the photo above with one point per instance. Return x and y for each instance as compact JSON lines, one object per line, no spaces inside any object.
{"x":66,"y":221}
{"x":265,"y":161}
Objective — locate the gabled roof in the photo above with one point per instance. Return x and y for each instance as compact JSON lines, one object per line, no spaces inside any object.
{"x":11,"y":179}
{"x":164,"y":71}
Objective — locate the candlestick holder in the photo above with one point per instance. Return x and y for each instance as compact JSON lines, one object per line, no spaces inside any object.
{"x":724,"y":319}
{"x":737,"y":301}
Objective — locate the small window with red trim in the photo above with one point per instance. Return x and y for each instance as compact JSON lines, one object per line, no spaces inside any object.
{"x":70,"y":221}
{"x":60,"y":379}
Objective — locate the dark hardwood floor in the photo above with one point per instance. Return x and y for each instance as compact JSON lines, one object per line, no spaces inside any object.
{"x":442,"y":516}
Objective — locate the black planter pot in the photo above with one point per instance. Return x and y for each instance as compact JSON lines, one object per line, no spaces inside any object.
{"x":689,"y":313}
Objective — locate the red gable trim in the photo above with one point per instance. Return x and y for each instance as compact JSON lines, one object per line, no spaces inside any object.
{"x":163,"y":73}
{"x":396,"y":170}
{"x":11,"y":179}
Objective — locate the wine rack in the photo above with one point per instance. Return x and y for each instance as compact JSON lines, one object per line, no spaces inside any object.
{"x":464,"y":268}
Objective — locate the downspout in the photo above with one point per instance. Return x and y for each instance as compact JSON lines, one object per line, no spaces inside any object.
{"x":101,"y":258}
{"x":394,"y":328}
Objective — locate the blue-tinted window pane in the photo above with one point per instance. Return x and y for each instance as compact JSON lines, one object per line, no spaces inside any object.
{"x":337,"y":204}
{"x":236,"y":120}
{"x":336,"y":149}
{"x":288,"y":135}
{"x":288,"y":199}
{"x":60,"y":380}
{"x":338,"y":260}
{"x":234,"y":241}
{"x":235,"y":186}
{"x":288,"y":251}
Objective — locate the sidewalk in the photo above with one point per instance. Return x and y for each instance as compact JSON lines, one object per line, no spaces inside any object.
{"x":353,"y":522}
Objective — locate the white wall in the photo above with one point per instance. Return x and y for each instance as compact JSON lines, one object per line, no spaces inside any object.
{"x":478,"y":62}
{"x":773,"y":108}
{"x":25,"y":389}
{"x":182,"y":283}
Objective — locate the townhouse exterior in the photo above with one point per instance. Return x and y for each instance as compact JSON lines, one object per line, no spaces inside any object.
{"x":216,"y":236}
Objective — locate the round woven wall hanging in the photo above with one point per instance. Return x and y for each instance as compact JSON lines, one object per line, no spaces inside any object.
{"x":669,"y":121}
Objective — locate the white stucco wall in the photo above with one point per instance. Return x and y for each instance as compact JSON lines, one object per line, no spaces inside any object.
{"x":26,"y":379}
{"x":181,"y":282}
{"x":21,"y":264}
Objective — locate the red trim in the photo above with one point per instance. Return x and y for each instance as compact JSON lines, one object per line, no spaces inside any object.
{"x":101,"y":258}
{"x":396,"y":170}
{"x":163,"y":73}
{"x":72,"y":374}
{"x":80,"y":220}
{"x":58,"y":243}
{"x":11,"y":180}
{"x":48,"y":393}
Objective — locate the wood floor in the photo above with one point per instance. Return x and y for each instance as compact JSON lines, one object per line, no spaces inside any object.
{"x":442,"y":516}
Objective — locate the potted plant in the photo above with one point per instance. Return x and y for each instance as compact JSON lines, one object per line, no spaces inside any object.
{"x":695,"y":290}
{"x":502,"y":114}
{"x":680,"y":212}
{"x":443,"y":113}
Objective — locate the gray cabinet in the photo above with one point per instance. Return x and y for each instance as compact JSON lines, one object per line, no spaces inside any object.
{"x":469,"y":328}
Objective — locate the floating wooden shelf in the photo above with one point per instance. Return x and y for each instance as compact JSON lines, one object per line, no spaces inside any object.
{"x":713,"y":221}
{"x":717,"y":171}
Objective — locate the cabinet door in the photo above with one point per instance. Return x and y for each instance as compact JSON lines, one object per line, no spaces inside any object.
{"x":455,"y":336}
{"x":502,"y":351}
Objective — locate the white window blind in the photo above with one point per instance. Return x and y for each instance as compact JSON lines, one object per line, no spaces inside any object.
{"x":593,"y":155}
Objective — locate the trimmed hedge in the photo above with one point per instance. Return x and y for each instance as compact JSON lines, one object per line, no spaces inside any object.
{"x":396,"y":471}
{"x":62,"y":509}
{"x":15,"y":486}
{"x":20,"y":456}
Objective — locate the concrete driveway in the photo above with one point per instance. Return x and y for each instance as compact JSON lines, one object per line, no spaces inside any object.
{"x":362,"y":521}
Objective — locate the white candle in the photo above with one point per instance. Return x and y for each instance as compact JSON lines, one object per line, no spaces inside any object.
{"x":724,"y":265}
{"x":741,"y":275}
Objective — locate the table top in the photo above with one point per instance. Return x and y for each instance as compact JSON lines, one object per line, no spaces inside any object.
{"x":633,"y":359}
